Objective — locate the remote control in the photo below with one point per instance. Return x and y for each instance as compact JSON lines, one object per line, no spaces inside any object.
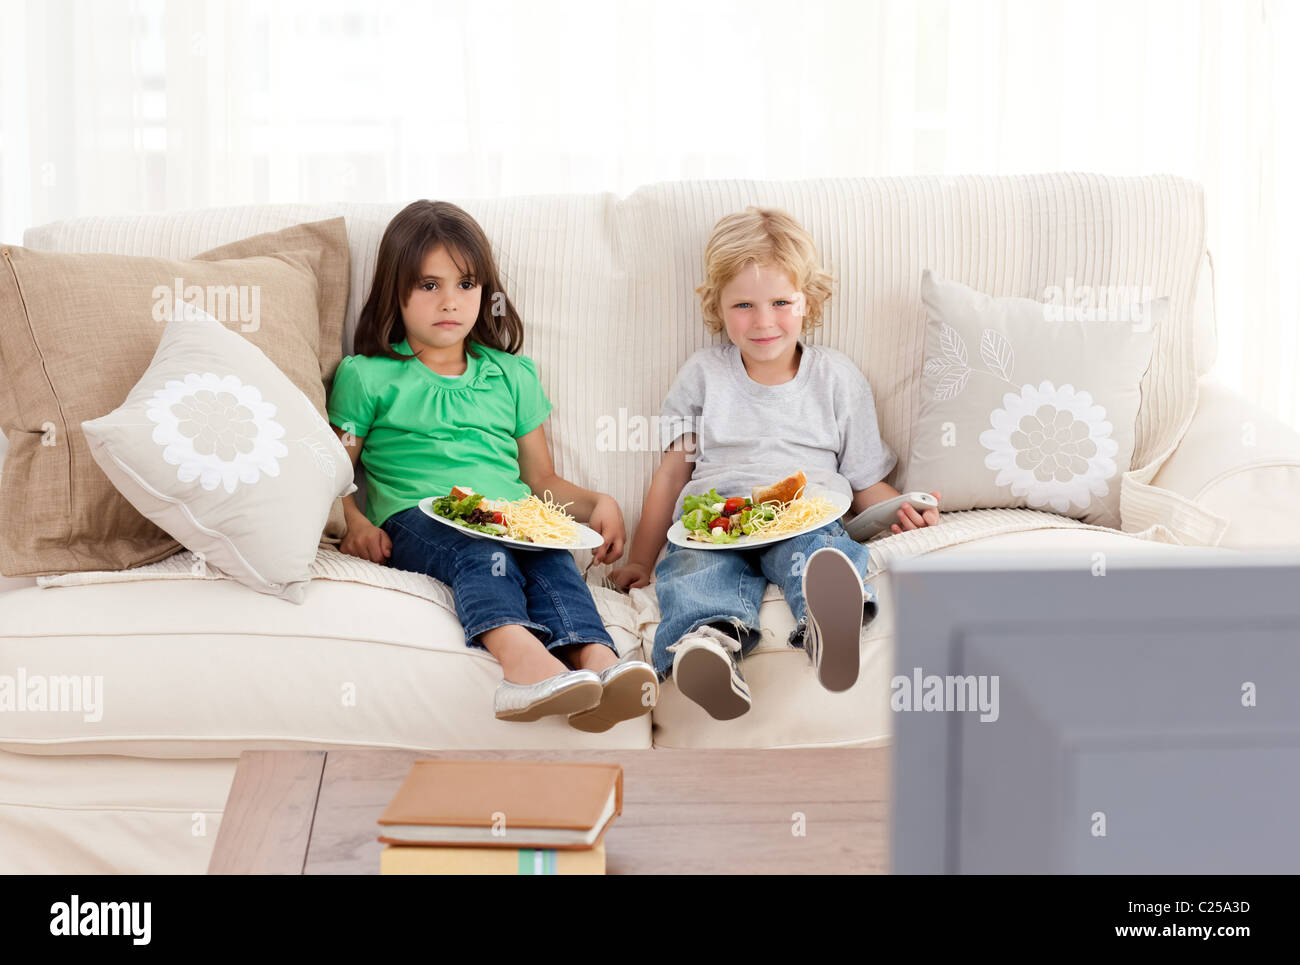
{"x":881,"y":516}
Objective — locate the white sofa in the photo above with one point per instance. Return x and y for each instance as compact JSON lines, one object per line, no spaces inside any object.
{"x":196,"y":671}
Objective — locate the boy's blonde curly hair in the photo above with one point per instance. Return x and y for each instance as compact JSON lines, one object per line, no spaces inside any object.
{"x":767,"y":237}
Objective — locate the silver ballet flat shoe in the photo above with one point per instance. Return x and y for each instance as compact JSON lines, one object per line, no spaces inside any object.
{"x":565,"y":693}
{"x":629,"y":689}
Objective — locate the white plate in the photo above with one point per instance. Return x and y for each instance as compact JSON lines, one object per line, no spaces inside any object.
{"x":677,"y":532}
{"x":588,"y":538}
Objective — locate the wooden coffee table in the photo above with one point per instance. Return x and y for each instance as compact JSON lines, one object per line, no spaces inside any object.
{"x":684,"y":811}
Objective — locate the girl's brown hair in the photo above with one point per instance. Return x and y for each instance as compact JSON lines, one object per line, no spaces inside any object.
{"x":767,"y":237}
{"x":415,"y":231}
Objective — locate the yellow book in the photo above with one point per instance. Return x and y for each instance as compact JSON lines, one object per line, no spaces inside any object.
{"x":424,"y":860}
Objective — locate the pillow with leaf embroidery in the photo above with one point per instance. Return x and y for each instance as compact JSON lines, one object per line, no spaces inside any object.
{"x":1026,"y":404}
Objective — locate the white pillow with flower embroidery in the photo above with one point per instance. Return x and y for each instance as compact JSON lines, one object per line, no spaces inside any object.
{"x":217,"y":447}
{"x":1026,"y":404}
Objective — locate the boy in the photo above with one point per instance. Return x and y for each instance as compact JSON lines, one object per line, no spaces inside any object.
{"x":767,"y":406}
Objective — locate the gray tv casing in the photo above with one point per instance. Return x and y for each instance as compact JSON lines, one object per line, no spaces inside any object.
{"x":1120,"y":710}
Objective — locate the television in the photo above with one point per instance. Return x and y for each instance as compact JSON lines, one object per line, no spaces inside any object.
{"x":1097,"y":713}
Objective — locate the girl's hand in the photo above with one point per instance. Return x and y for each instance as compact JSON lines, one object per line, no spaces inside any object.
{"x":368,"y":542}
{"x":632,"y":575}
{"x":909,"y":518}
{"x":607,"y":520}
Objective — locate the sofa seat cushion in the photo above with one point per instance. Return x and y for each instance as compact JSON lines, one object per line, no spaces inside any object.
{"x":791,"y":709}
{"x":194,"y":668}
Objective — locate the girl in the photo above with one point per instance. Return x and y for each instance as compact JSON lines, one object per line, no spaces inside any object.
{"x":765,"y":287}
{"x":437,"y":396}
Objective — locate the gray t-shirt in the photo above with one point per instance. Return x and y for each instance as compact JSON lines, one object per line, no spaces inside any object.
{"x":823,"y":422}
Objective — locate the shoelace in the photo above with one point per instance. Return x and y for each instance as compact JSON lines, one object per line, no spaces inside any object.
{"x":811,"y":640}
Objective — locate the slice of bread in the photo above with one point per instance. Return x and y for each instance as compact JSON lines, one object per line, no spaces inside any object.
{"x":783,"y":492}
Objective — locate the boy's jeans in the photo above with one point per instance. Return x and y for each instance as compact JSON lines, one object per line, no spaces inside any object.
{"x":495,"y":584}
{"x":725,"y":587}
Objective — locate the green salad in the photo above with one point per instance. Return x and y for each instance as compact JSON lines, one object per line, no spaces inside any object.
{"x":711,"y":518}
{"x":465,"y":512}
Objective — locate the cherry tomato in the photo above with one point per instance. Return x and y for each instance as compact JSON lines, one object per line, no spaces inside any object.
{"x":733,"y":505}
{"x":722,"y":522}
{"x":499,"y":519}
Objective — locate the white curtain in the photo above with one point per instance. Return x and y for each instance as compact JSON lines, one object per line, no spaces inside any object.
{"x":114,"y":106}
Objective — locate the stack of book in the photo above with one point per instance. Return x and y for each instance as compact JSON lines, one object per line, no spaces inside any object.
{"x":500,"y":817}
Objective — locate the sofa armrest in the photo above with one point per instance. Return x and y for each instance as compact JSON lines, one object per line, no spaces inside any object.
{"x":1241,"y":463}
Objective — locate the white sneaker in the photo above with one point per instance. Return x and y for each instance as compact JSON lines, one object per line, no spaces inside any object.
{"x":834,"y":601}
{"x":706,"y":671}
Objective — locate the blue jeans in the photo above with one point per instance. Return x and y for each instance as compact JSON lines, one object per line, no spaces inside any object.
{"x":495,"y":585}
{"x":724,"y":587}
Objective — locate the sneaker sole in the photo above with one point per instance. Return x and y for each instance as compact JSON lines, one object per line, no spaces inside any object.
{"x":620,"y":701}
{"x":579,"y":697}
{"x":705,"y":679}
{"x":833,"y":597}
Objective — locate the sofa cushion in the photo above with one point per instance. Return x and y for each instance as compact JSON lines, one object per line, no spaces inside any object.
{"x":1025,"y":403}
{"x":207,"y":668}
{"x":217,"y":447}
{"x":78,"y":330}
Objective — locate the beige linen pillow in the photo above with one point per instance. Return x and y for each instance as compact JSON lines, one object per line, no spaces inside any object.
{"x":1029,"y":404}
{"x":220,"y":450}
{"x":77,"y":331}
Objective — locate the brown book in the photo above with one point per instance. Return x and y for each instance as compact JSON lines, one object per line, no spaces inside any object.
{"x":508,"y":804}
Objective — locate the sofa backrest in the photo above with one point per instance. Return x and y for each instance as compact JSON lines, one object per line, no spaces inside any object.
{"x":606,"y":284}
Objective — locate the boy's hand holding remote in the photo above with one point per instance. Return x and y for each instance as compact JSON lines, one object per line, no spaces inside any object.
{"x":881,"y":507}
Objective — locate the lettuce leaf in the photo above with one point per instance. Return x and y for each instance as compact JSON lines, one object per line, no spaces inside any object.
{"x":703,"y":501}
{"x":463,"y":507}
{"x":696,"y":520}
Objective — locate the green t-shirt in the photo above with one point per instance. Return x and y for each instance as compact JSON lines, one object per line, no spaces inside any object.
{"x":425,"y":433}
